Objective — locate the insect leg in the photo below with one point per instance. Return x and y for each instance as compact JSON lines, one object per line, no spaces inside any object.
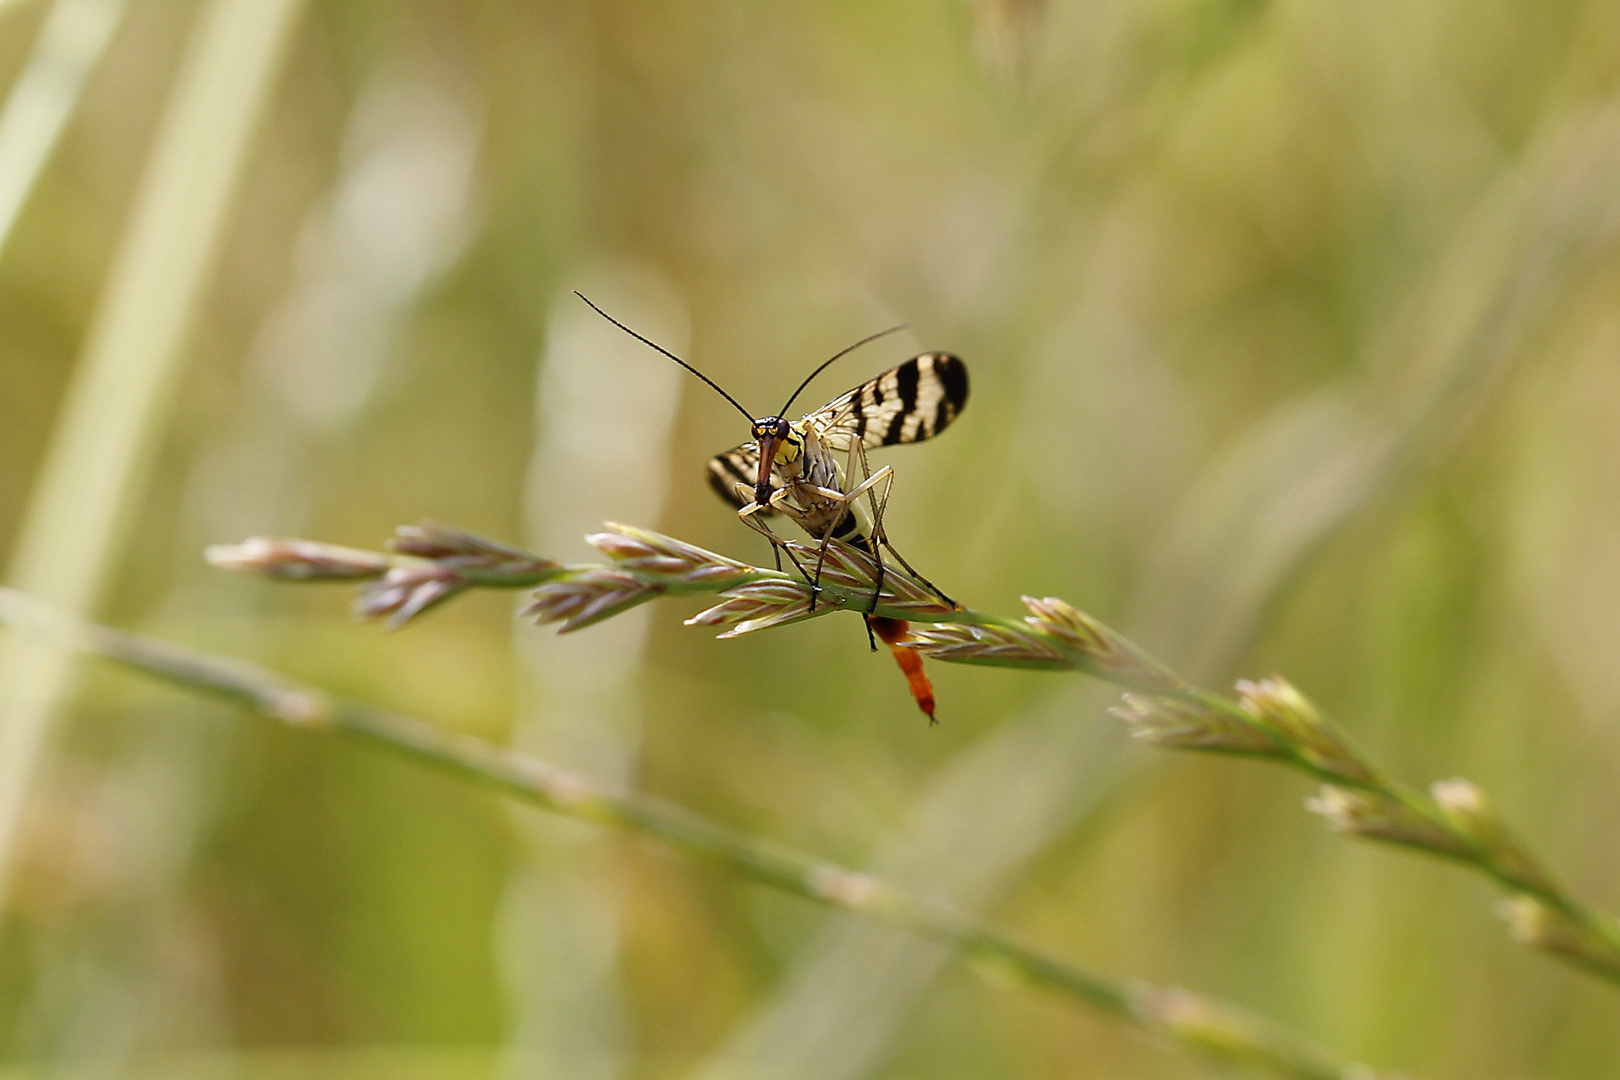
{"x":885,"y":473}
{"x":876,"y":542}
{"x":935,"y":589}
{"x":866,"y":471}
{"x":779,"y":546}
{"x":880,"y":539}
{"x":778,"y":503}
{"x":846,"y":502}
{"x":826,"y":538}
{"x":821,"y":560}
{"x":746,"y":512}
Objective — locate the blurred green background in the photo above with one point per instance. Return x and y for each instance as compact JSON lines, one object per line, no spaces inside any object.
{"x":1293,"y":334}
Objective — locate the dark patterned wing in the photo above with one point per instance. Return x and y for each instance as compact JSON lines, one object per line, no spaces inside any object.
{"x":739,"y":465}
{"x":907,"y":404}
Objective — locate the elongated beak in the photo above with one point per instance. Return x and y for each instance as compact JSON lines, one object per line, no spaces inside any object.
{"x":767,"y":455}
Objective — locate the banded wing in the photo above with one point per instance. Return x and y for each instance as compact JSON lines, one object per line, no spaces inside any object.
{"x":739,"y":465}
{"x":906,"y":404}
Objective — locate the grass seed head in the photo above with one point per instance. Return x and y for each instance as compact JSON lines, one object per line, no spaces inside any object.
{"x":1471,"y":812}
{"x":1282,"y":710}
{"x":588,"y":596}
{"x":1533,"y":922}
{"x":464,"y":551}
{"x":850,"y":567}
{"x":297,"y":560}
{"x":964,"y":643}
{"x":647,"y":552}
{"x":1378,"y":817}
{"x":1113,"y":655}
{"x":406,"y":591}
{"x":1177,"y":722}
{"x":759,"y":605}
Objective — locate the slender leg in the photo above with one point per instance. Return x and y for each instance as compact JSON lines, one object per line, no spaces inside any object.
{"x":847,"y":501}
{"x":846,"y":506}
{"x":879,"y":538}
{"x":883,"y":538}
{"x":826,"y":538}
{"x":935,"y":589}
{"x":779,"y":546}
{"x":860,"y":489}
{"x":866,"y":470}
{"x":876,"y":541}
{"x":821,"y":560}
{"x":868,"y":484}
{"x":747,"y":511}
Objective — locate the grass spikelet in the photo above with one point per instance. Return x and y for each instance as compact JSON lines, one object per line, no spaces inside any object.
{"x":1282,"y":710}
{"x":1472,"y":814}
{"x":297,"y":560}
{"x":1192,"y":725}
{"x":997,"y":645}
{"x":1112,"y":654}
{"x":1378,"y":817}
{"x":471,"y":556}
{"x":406,"y":591}
{"x":589,"y":596}
{"x":648,"y":552}
{"x":1538,"y":924}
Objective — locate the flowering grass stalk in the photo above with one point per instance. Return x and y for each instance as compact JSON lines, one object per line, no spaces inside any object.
{"x":1203,"y":1024}
{"x":1269,"y":719}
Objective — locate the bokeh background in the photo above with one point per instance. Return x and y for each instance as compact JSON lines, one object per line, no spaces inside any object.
{"x":1293,"y":333}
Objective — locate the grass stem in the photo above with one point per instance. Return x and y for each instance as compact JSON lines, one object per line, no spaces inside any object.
{"x":1203,"y":1024}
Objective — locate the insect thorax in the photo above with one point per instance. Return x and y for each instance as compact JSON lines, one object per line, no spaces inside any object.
{"x":814,"y":464}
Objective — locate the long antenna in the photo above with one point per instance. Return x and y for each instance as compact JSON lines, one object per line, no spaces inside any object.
{"x":828,"y":363}
{"x":671,"y":355}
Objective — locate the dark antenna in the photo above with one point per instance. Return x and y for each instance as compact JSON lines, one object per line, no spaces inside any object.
{"x":672,"y":356}
{"x":828,"y":363}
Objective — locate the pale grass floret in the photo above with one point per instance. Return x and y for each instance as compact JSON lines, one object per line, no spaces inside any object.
{"x":998,"y":646}
{"x":1543,"y":926}
{"x":425,"y":565}
{"x":1111,"y":653}
{"x":1378,"y":817}
{"x":297,"y":560}
{"x":1473,"y":815}
{"x":1284,"y":712}
{"x":1192,"y":725}
{"x":588,"y":597}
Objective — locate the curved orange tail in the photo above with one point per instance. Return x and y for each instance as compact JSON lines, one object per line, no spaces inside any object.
{"x":893,"y":632}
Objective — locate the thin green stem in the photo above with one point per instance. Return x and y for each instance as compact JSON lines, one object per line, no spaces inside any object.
{"x":1506,"y":865}
{"x":1203,"y":1024}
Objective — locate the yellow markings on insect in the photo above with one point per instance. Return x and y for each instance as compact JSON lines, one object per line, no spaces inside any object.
{"x":789,"y":449}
